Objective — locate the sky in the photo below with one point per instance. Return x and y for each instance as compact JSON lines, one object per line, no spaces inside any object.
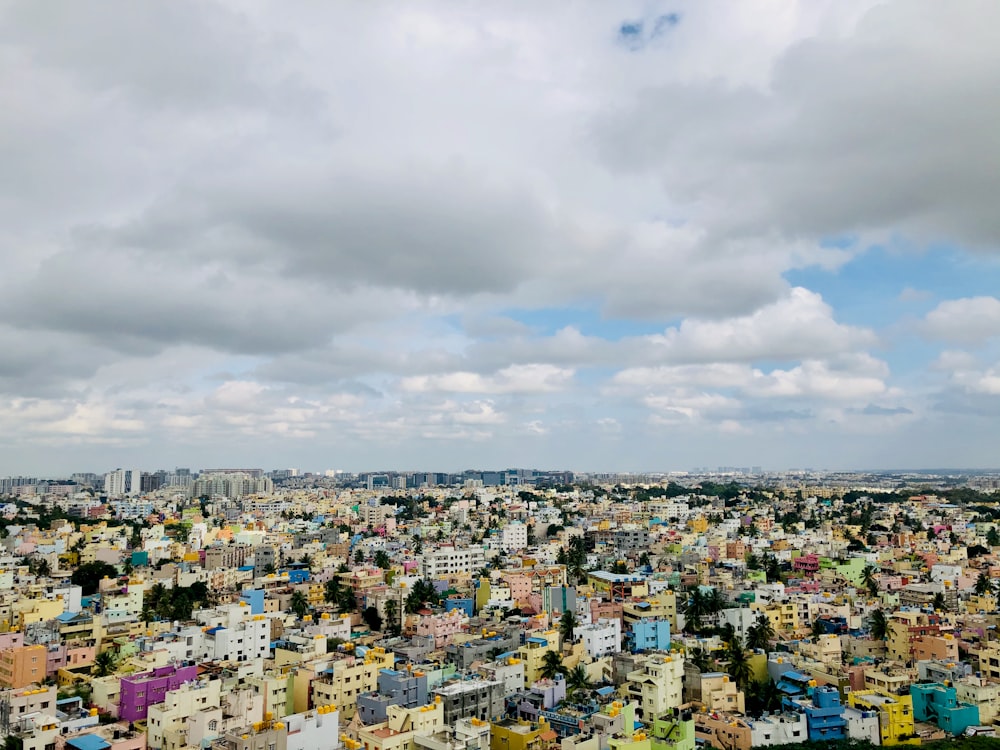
{"x":608,"y":236}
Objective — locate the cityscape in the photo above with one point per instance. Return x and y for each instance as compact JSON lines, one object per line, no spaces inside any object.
{"x":486,"y":609}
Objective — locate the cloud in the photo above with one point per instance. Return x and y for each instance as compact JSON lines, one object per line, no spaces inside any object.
{"x":532,"y":378}
{"x":971,"y":320}
{"x":832,"y":142}
{"x":515,"y":233}
{"x":797,"y":326}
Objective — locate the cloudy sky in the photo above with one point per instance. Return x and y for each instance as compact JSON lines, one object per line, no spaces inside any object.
{"x":595,"y":235}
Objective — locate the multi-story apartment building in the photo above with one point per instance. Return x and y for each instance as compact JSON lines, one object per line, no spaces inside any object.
{"x":347,"y":678}
{"x":657,"y":684}
{"x":447,"y":560}
{"x":470,"y":698}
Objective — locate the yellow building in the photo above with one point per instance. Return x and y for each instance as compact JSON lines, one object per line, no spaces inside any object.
{"x":698,"y":525}
{"x":346,"y":680}
{"x":521,"y":735}
{"x":400,"y":727}
{"x":720,"y":693}
{"x":784,"y":616}
{"x":533,"y":652}
{"x":895,"y":715}
{"x":661,"y":606}
{"x":657,"y":685}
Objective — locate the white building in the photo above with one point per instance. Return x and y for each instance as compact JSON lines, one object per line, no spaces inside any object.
{"x":514,"y":537}
{"x":447,"y":560}
{"x":601,"y":638}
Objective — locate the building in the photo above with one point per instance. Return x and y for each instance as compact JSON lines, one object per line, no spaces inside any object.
{"x":470,"y":698}
{"x":447,"y":560}
{"x":895,"y":714}
{"x":23,"y":665}
{"x":604,"y":637}
{"x":406,"y":688}
{"x":820,"y":703}
{"x":938,"y":704}
{"x":657,"y":684}
{"x":140,"y":691}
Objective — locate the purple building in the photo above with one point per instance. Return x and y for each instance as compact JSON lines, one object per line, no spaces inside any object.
{"x":140,"y":691}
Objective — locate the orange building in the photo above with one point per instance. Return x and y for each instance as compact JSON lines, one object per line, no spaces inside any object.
{"x":22,"y":666}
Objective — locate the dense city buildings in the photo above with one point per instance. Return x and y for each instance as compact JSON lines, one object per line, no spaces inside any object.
{"x":243,"y":608}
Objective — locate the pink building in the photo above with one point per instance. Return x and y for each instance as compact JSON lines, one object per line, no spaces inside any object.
{"x":443,"y":626}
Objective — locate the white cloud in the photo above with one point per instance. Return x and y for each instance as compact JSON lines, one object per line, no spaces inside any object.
{"x":531,"y":378}
{"x":971,"y":320}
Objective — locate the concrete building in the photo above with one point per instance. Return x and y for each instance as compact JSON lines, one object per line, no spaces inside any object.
{"x":895,"y":714}
{"x":470,"y":698}
{"x":603,"y":637}
{"x":938,"y":704}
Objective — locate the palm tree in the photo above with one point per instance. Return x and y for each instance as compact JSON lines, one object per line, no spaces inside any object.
{"x":578,"y":680}
{"x":727,"y":632}
{"x":879,"y":625}
{"x":299,"y":604}
{"x":382,"y":559}
{"x":983,"y":584}
{"x":392,"y":617}
{"x":739,"y":665}
{"x":715,"y":602}
{"x":939,"y":602}
{"x":307,"y":561}
{"x":695,"y":609}
{"x":700,"y":658}
{"x":551,"y":664}
{"x":104,"y":664}
{"x":567,"y":626}
{"x":760,"y":634}
{"x":869,"y":580}
{"x":817,"y":628}
{"x":331,"y":590}
{"x":347,"y":601}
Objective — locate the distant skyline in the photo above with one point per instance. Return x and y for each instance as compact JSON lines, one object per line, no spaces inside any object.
{"x":619,"y":235}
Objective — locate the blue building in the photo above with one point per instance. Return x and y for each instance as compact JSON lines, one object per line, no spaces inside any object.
{"x":938,"y":704}
{"x":461,"y":603}
{"x":648,"y":635}
{"x":821,"y":705}
{"x":395,"y":688}
{"x":254,"y":599}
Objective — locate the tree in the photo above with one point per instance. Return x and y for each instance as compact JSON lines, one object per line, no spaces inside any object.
{"x":307,"y":561}
{"x":727,"y":632}
{"x":346,"y":602}
{"x":939,"y":602}
{"x":739,"y":665}
{"x":983,"y":584}
{"x":869,"y":580}
{"x":993,"y":537}
{"x":715,"y":602}
{"x":392,"y":617}
{"x":762,"y":696}
{"x":817,"y":628}
{"x":299,"y":604}
{"x":578,"y":679}
{"x":331,"y":590}
{"x":551,"y":664}
{"x":359,"y":557}
{"x":695,"y":609}
{"x":104,"y":664}
{"x":700,"y":658}
{"x":879,"y":625}
{"x":644,"y":560}
{"x":759,"y":634}
{"x":372,"y":618}
{"x":382,"y":559}
{"x":89,"y":576}
{"x":567,"y":625}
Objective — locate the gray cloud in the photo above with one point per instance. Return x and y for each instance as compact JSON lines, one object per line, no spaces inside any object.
{"x":888,"y":127}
